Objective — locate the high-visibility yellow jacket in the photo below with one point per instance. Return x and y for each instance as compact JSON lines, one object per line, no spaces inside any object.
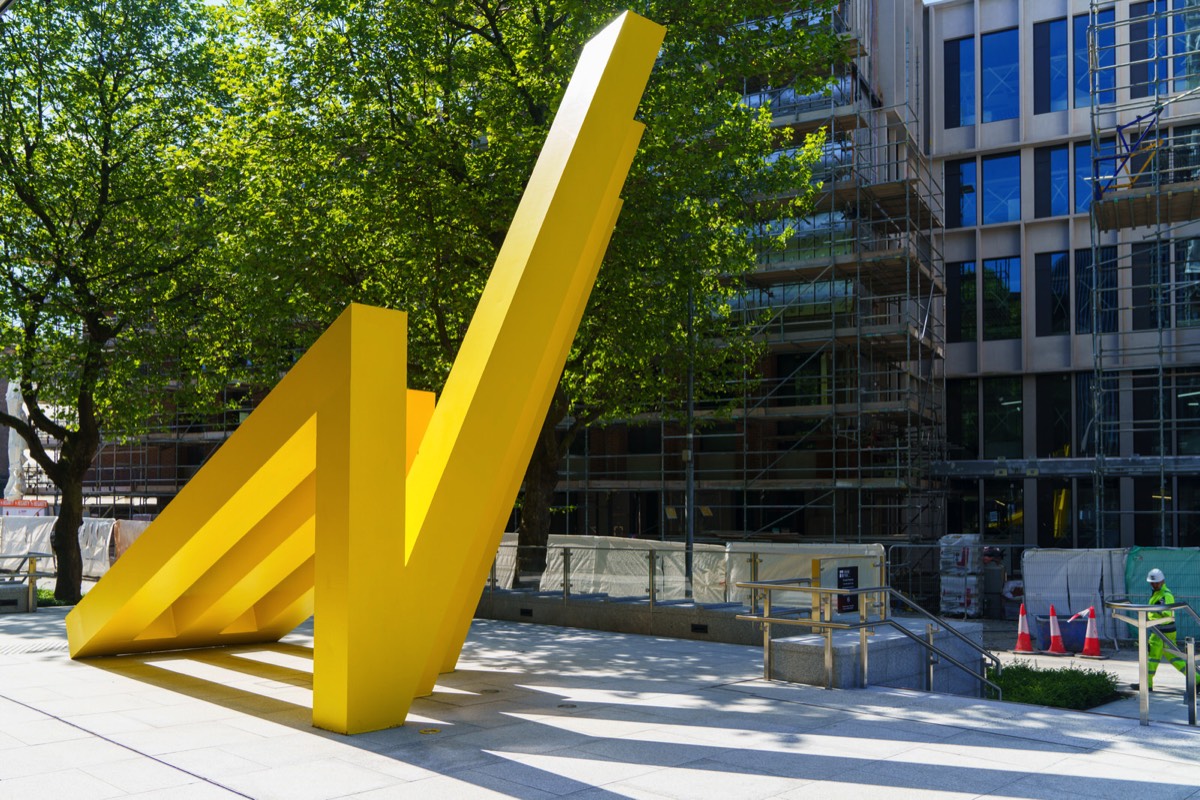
{"x":1164,"y":597}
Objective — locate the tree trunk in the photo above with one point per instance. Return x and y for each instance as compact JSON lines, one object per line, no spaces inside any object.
{"x":541,"y":478}
{"x":68,"y":586}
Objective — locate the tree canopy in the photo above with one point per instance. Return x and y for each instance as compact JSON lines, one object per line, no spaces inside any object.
{"x":395,"y":139}
{"x":112,"y":305}
{"x":187,"y":189}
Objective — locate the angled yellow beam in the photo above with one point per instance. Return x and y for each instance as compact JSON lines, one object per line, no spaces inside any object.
{"x":308,"y":506}
{"x":473,"y":456}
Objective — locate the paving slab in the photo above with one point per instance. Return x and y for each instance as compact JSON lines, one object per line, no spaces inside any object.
{"x":542,"y":712}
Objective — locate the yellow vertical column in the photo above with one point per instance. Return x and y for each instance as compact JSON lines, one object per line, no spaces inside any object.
{"x":361,"y":460}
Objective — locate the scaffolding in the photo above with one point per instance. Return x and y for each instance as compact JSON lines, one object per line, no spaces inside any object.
{"x":1144,"y":276}
{"x":837,"y":439}
{"x":136,"y":478}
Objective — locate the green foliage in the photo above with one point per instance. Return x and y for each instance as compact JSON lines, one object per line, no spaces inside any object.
{"x":110,"y":212}
{"x":46,"y":599}
{"x":391,"y":141}
{"x":1064,"y":687}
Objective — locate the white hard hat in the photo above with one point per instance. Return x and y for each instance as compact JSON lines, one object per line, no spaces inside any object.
{"x":1155,"y":576}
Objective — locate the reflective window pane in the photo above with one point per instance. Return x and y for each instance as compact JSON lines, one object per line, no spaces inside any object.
{"x":1106,"y":59}
{"x":1148,"y":49}
{"x":1186,"y":26}
{"x":1187,"y":282}
{"x":959,"y":78}
{"x":1051,"y":181}
{"x":1050,"y":66}
{"x":1000,"y":75}
{"x":961,"y":315}
{"x":962,"y":418}
{"x":1002,"y":188}
{"x":1085,"y":281}
{"x":1053,"y":296}
{"x":1001,"y":278}
{"x":1003,"y":421}
{"x":960,"y":193}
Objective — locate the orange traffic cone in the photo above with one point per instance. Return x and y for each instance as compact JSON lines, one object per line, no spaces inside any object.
{"x":1024,"y":643}
{"x":1056,"y":642}
{"x":1091,"y":640}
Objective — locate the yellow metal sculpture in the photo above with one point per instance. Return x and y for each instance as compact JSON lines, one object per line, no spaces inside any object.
{"x":309,"y":508}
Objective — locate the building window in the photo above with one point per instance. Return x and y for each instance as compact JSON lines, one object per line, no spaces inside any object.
{"x":1085,"y":186}
{"x":1002,"y":298}
{"x":1085,"y":279}
{"x":1002,"y":188}
{"x":1089,"y":431}
{"x":1187,"y":414}
{"x":1051,"y":181}
{"x":1004,"y":511}
{"x":1003,"y":422}
{"x":1053,"y":297}
{"x":1151,"y":403}
{"x":1000,"y":75}
{"x":960,"y":193}
{"x":959,"y":77}
{"x":1083,"y":177}
{"x":1185,"y":149}
{"x":1151,"y":291}
{"x":1187,"y":45}
{"x":1050,"y":66}
{"x":1054,"y":512}
{"x":961,"y":316}
{"x":962,"y":418}
{"x":1054,"y":415}
{"x":1148,"y":49}
{"x":1106,"y":60}
{"x":1187,"y":282}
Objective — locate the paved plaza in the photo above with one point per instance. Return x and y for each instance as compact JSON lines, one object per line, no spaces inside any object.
{"x":541,"y":712}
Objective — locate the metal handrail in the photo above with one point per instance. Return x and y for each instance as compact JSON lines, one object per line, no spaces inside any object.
{"x":827,"y":627}
{"x":1145,"y":627}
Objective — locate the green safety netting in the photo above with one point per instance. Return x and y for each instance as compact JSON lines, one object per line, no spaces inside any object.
{"x":1182,"y":571}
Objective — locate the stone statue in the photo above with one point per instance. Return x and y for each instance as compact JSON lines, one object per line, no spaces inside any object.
{"x":16,"y":446}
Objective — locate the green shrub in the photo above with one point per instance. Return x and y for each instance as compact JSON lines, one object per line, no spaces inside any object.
{"x":46,"y":598}
{"x":1063,"y":687}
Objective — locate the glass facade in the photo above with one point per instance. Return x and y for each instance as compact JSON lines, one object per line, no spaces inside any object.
{"x":1002,"y":188}
{"x":1000,"y":75}
{"x":1187,"y":282}
{"x":1085,"y":280}
{"x":1003,"y":421}
{"x":1051,"y":181}
{"x":961,"y":314}
{"x":1052,"y":287}
{"x":960,"y":183}
{"x":959,"y":78}
{"x":962,"y":418}
{"x":1185,"y":25}
{"x":1148,"y":49}
{"x":1054,"y":415}
{"x":1001,"y":298}
{"x":1151,"y":291}
{"x":1050,"y":66}
{"x":1106,"y":59}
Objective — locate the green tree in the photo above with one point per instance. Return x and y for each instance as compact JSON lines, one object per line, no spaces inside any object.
{"x":111,"y":304}
{"x":393,"y":139}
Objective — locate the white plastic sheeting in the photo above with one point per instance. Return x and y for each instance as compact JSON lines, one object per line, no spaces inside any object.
{"x":1073,"y":580}
{"x":620,"y":567}
{"x":95,"y":536}
{"x":506,"y":560}
{"x":785,"y":561}
{"x":21,"y":535}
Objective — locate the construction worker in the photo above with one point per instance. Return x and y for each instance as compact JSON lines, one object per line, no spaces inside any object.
{"x":1161,"y":595}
